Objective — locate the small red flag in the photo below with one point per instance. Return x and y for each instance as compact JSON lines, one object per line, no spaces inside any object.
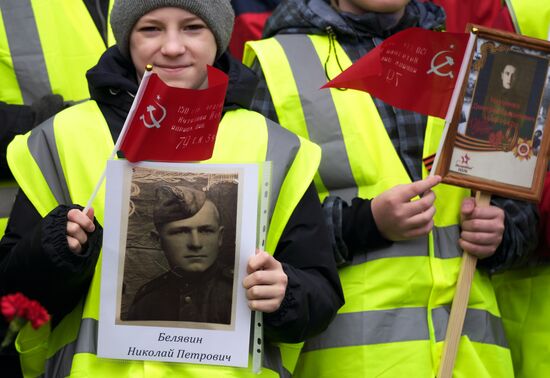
{"x":173,"y":124}
{"x":415,"y":69}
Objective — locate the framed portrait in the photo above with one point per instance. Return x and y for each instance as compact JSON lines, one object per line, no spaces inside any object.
{"x":498,"y":138}
{"x":177,"y":238}
{"x":174,"y":250}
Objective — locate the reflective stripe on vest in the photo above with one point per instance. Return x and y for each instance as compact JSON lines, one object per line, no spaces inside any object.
{"x":273,"y":360}
{"x":444,"y":240}
{"x":8,"y":192}
{"x":281,"y":146}
{"x":60,"y":364}
{"x":322,"y":128}
{"x":25,"y":48}
{"x":404,"y":324}
{"x":416,"y":274}
{"x":7,"y":196}
{"x":47,"y":47}
{"x":295,"y":163}
{"x":43,"y":148}
{"x":530,"y":18}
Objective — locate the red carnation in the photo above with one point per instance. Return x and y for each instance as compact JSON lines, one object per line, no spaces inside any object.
{"x":37,"y":314}
{"x":14,"y":305}
{"x":18,"y":310}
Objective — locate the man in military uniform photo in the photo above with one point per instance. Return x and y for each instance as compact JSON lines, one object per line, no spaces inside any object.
{"x":197,"y":288}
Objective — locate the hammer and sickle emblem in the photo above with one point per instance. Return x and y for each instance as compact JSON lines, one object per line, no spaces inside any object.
{"x":151,"y":110}
{"x":449,"y":61}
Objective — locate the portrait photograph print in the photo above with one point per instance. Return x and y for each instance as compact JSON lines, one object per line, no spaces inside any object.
{"x":497,"y":141}
{"x":175,"y":250}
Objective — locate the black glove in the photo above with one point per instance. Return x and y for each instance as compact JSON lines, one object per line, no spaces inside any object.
{"x":47,"y":106}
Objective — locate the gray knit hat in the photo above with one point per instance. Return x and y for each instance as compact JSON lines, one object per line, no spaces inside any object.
{"x":217,"y":14}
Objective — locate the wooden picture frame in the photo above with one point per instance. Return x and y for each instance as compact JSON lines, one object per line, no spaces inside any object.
{"x":499,"y":135}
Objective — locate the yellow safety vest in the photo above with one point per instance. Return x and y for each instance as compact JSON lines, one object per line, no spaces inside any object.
{"x":523,"y":297}
{"x":70,"y":175}
{"x":523,"y":294}
{"x":530,"y":17}
{"x":46,"y":46}
{"x":397,"y":298}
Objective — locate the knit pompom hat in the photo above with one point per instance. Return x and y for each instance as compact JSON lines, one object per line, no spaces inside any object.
{"x":217,"y":14}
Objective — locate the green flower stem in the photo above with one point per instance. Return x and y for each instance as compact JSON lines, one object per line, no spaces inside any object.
{"x":15,"y":326}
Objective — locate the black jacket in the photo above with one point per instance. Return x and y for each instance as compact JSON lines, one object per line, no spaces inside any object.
{"x":35,"y":259}
{"x":203,"y":297}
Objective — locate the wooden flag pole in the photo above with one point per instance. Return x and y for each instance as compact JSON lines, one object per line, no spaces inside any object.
{"x":460,"y":304}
